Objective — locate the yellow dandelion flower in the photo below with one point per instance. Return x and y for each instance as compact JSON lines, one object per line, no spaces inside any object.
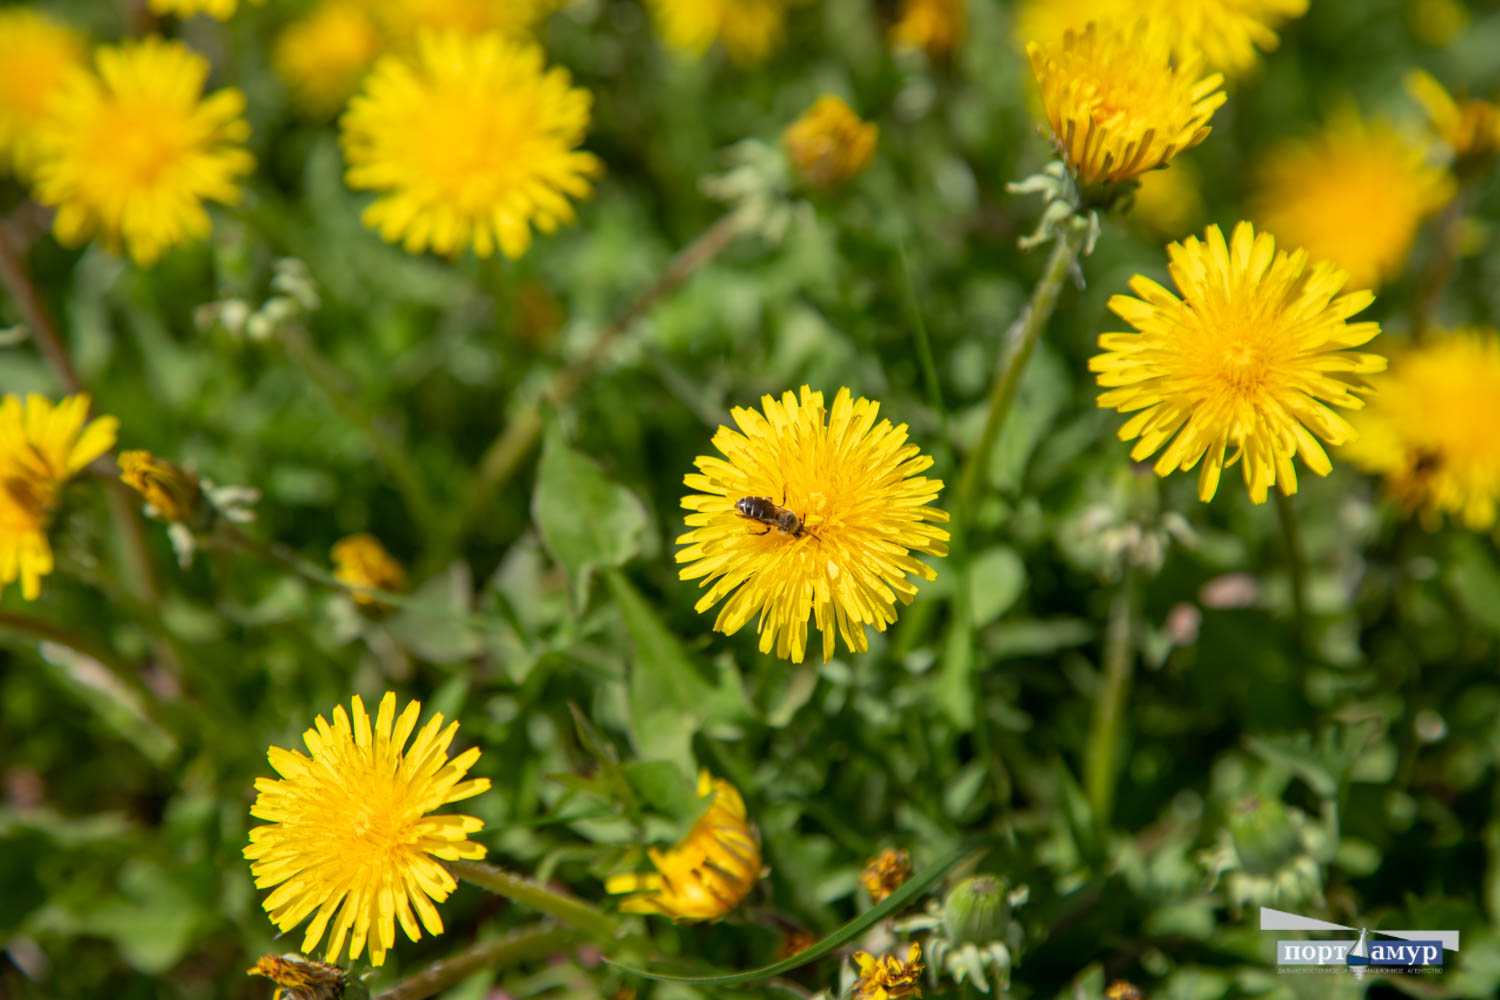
{"x":934,"y":26}
{"x":37,"y":54}
{"x":361,"y":561}
{"x":42,"y":446}
{"x":889,"y":978}
{"x":1469,"y":129}
{"x":322,"y":56}
{"x":171,"y":491}
{"x":829,"y":143}
{"x":131,"y":154}
{"x":515,"y":19}
{"x":1250,"y":357}
{"x":707,"y":873}
{"x":1430,"y":429}
{"x":1354,"y":194}
{"x":300,"y":978}
{"x":470,"y":141}
{"x":220,"y":10}
{"x":352,"y":831}
{"x":810,"y":512}
{"x":1118,"y":105}
{"x":748,"y":29}
{"x":886,"y":873}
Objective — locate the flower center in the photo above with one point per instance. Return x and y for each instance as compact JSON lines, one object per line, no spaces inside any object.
{"x":471,"y":147}
{"x":137,"y":144}
{"x":1243,"y":367}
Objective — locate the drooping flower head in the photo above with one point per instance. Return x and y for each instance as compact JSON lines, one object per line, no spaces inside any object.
{"x":361,"y":561}
{"x":889,"y":977}
{"x":934,"y":26}
{"x":130,"y":154}
{"x":174,"y":493}
{"x":1251,"y":357}
{"x":708,"y":872}
{"x":1117,"y":102}
{"x":300,"y":978}
{"x":352,"y":836}
{"x":1430,"y":429}
{"x":829,"y":143}
{"x":42,"y":446}
{"x":36,"y":56}
{"x":323,"y":55}
{"x":859,"y":508}
{"x":1353,"y":193}
{"x":886,"y":873}
{"x":1469,"y":129}
{"x":748,"y":29}
{"x":468,"y":142}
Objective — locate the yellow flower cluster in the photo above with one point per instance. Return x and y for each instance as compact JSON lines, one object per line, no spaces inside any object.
{"x":886,"y":873}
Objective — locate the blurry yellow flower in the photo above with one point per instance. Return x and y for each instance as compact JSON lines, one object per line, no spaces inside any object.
{"x":172,"y":492}
{"x":515,"y":19}
{"x":351,"y":830}
{"x":886,"y":873}
{"x":748,"y":29}
{"x":1250,"y":357}
{"x":708,"y":872}
{"x":860,"y":509}
{"x":36,"y":56}
{"x":889,"y":978}
{"x":1117,"y":104}
{"x":830,"y":144}
{"x":1470,"y":130}
{"x":132,"y":153}
{"x":934,"y":26}
{"x":468,"y":142}
{"x":361,"y":561}
{"x":324,"y":54}
{"x":300,"y":978}
{"x":221,"y":10}
{"x":42,"y":446}
{"x":1169,"y":202}
{"x":1354,"y":194}
{"x":1431,"y":428}
{"x":1437,"y":22}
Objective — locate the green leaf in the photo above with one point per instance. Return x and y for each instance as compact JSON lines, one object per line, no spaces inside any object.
{"x":893,"y":903}
{"x":587,"y":521}
{"x":996,"y":578}
{"x":662,"y":785}
{"x":955,"y":690}
{"x":432,"y":624}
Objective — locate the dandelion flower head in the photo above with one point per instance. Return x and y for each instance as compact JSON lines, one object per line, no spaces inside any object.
{"x":1470,"y":129}
{"x":886,"y":873}
{"x":829,"y":143}
{"x":853,"y":483}
{"x":352,"y":837}
{"x":708,"y":872}
{"x":42,"y":446}
{"x":1354,"y":193}
{"x":1250,"y":357}
{"x":1117,"y":103}
{"x":934,"y":26}
{"x":361,"y":561}
{"x":515,"y":19}
{"x":220,"y":10}
{"x":37,"y":54}
{"x":322,"y":56}
{"x":468,"y":142}
{"x":889,"y":978}
{"x":1430,"y":428}
{"x":131,"y":153}
{"x":748,"y":29}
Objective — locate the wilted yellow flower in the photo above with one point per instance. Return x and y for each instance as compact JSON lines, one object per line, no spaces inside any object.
{"x":889,"y":978}
{"x":1117,"y":103}
{"x":42,"y":446}
{"x":748,"y":29}
{"x":172,"y":492}
{"x":1353,"y":193}
{"x":36,"y":56}
{"x":221,"y":10}
{"x":1251,"y":357}
{"x":934,"y":26}
{"x":708,"y":872}
{"x":352,"y":831}
{"x":1430,"y":429}
{"x":323,"y":55}
{"x":886,"y":873}
{"x":468,"y":142}
{"x":830,"y":144}
{"x":1469,"y":129}
{"x":361,"y":561}
{"x":1169,"y":202}
{"x":847,"y":506}
{"x":131,"y":154}
{"x":300,"y":978}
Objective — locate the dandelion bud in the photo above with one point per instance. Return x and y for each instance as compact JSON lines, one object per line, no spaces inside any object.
{"x":830,"y":144}
{"x":171,"y":491}
{"x":976,"y":910}
{"x":1264,"y":836}
{"x":361,"y":561}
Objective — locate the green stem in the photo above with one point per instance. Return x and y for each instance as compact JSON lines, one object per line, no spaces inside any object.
{"x":1101,"y":763}
{"x":334,"y":385}
{"x":528,"y":943}
{"x":1296,"y":560}
{"x":584,"y":916}
{"x":1020,"y":341}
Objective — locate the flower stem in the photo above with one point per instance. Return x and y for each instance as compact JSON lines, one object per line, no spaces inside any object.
{"x":527,"y":943}
{"x":1020,"y":341}
{"x":504,"y":455}
{"x":1296,"y":561}
{"x":584,"y":916}
{"x":34,"y":311}
{"x":1101,"y":763}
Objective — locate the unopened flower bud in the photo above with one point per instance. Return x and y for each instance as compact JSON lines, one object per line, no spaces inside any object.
{"x":976,"y":910}
{"x":1264,"y":835}
{"x":171,"y":491}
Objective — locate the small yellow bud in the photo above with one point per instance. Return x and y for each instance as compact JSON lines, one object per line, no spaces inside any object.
{"x":830,"y":144}
{"x":361,"y":561}
{"x":173,"y":492}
